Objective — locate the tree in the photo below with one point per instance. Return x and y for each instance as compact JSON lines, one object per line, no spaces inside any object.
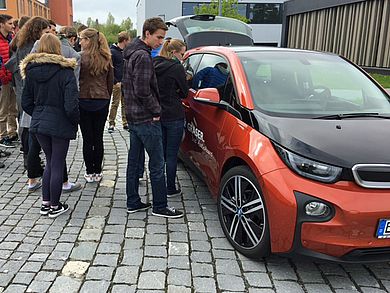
{"x":110,"y":19}
{"x":229,"y":9}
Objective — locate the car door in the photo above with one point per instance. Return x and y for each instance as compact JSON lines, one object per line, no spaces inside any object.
{"x":205,"y":122}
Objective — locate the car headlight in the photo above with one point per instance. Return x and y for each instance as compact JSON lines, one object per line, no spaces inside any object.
{"x":309,"y":168}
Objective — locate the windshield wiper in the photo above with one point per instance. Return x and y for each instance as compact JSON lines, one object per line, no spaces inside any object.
{"x":352,"y":115}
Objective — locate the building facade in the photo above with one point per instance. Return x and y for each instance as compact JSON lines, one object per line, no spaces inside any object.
{"x":18,"y":8}
{"x":356,"y":29}
{"x":62,"y":12}
{"x":265,"y":16}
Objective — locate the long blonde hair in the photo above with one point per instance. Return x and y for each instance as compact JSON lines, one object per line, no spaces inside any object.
{"x":97,"y":50}
{"x":50,"y":44}
{"x":170,"y":46}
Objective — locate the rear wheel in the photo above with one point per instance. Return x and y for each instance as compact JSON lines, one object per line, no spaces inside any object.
{"x":242,"y":212}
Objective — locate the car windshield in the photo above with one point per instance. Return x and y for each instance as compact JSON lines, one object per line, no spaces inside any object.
{"x":218,"y":24}
{"x":309,"y":84}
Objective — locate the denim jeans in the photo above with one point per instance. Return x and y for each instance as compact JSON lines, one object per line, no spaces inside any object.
{"x":146,"y":136}
{"x":172,"y":132}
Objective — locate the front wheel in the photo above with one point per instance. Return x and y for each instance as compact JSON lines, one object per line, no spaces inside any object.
{"x":242,"y":213}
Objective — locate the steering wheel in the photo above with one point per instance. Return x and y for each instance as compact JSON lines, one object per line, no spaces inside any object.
{"x":322,"y":93}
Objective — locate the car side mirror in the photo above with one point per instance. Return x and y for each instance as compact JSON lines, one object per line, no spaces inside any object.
{"x":208,"y":96}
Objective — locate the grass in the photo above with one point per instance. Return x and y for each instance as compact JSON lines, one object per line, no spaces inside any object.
{"x":384,"y":80}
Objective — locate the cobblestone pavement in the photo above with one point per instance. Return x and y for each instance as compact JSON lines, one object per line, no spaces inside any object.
{"x":98,"y":247}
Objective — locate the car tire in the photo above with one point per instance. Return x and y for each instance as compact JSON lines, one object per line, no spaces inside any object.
{"x":242,"y":213}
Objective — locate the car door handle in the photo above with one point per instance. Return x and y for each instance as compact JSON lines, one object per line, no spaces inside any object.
{"x":185,"y":105}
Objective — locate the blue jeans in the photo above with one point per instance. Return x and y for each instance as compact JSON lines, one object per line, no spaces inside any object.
{"x":172,"y":132}
{"x":146,"y":136}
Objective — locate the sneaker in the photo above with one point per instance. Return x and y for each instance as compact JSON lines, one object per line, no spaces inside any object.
{"x":98,"y":177}
{"x":111,"y":129}
{"x":62,"y":208}
{"x":89,"y":177}
{"x":4,"y":154}
{"x":5,"y":142}
{"x":176,"y":192}
{"x":141,"y":207}
{"x":35,"y":187}
{"x":167,"y":213}
{"x":13,"y":138}
{"x":21,"y":150}
{"x":45,"y":209}
{"x":71,"y":187}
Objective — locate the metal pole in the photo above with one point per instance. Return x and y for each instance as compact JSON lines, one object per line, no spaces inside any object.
{"x":220,"y":8}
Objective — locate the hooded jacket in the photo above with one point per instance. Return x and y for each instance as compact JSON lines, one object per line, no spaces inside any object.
{"x":117,"y":62}
{"x":139,"y":84}
{"x":172,"y":86}
{"x":50,"y":94}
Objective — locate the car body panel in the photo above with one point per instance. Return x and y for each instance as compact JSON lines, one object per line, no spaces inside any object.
{"x":227,"y":140}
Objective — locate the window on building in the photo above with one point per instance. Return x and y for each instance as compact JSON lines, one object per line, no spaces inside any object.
{"x":188,"y":8}
{"x":2,"y":4}
{"x":263,"y":13}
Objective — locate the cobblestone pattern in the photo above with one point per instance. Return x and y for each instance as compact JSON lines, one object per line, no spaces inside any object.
{"x":98,"y":247}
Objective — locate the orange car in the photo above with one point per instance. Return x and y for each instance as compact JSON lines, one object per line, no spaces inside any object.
{"x":294,"y":145}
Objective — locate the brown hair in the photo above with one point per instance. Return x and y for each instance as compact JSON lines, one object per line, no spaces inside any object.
{"x":23,"y":20}
{"x":123,"y":36}
{"x":170,"y":46}
{"x":97,"y":51}
{"x":68,"y":32}
{"x":4,"y":18}
{"x":152,"y":25}
{"x":81,"y":28}
{"x":32,"y":30}
{"x":50,"y":44}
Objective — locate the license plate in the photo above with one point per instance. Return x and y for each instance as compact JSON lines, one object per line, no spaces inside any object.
{"x":383,"y":229}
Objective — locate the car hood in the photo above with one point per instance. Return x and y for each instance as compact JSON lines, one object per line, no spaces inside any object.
{"x":342,"y":143}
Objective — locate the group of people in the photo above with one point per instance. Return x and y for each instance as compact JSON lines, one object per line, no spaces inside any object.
{"x":57,"y":90}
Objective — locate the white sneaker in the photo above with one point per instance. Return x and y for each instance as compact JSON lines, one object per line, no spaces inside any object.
{"x":89,"y":177}
{"x":98,"y":177}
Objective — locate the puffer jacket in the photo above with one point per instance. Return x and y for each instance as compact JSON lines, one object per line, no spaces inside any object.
{"x":50,"y":94}
{"x":5,"y":74}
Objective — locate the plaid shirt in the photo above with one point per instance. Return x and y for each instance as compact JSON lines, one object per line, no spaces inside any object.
{"x":139,"y":84}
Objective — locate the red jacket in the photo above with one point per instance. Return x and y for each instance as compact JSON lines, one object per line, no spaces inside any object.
{"x":5,"y":75}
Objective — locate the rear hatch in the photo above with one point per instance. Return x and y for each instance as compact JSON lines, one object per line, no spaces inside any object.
{"x":211,"y":30}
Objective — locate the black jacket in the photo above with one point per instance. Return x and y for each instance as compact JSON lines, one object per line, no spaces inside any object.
{"x":50,"y":94}
{"x":117,"y":62}
{"x":139,"y":83}
{"x":172,"y":86}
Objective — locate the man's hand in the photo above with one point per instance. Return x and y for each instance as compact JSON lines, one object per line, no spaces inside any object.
{"x":156,"y":118}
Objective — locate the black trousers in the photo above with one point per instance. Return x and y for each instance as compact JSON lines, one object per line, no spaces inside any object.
{"x":92,"y":128}
{"x":34,"y":167}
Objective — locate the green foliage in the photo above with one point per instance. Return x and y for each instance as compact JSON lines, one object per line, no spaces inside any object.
{"x":384,"y":80}
{"x":229,"y":9}
{"x":110,"y":29}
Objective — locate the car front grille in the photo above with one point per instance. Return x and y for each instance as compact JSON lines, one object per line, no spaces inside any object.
{"x":372,"y":175}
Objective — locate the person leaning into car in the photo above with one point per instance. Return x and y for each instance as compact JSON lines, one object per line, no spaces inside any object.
{"x":172,"y":85}
{"x":143,"y":113}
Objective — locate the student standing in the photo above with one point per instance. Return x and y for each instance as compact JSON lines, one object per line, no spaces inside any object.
{"x":172,"y":85}
{"x":143,"y":113}
{"x":8,"y":108}
{"x":117,"y":96}
{"x":50,"y":97}
{"x":96,"y":83}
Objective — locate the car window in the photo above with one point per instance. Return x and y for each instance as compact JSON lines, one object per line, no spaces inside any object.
{"x":311,"y":84}
{"x":212,"y":72}
{"x":191,"y":65}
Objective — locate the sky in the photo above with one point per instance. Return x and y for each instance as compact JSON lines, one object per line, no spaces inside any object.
{"x":120,"y":9}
